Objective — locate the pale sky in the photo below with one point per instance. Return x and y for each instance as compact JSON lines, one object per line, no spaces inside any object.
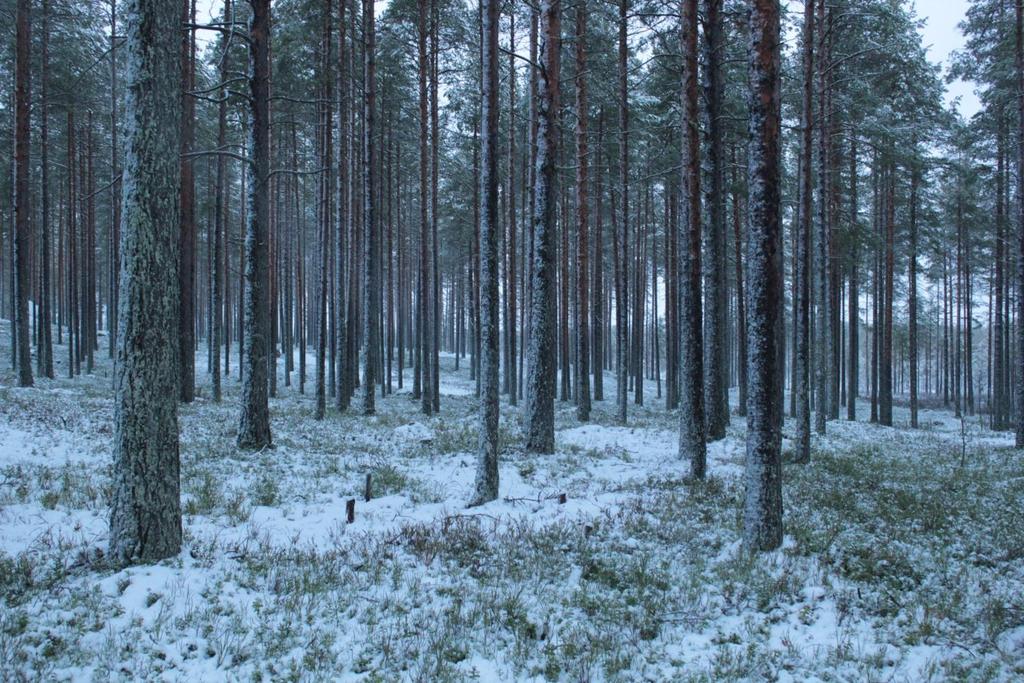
{"x":941,"y":36}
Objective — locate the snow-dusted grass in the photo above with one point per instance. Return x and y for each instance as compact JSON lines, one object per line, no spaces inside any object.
{"x":903,"y":560}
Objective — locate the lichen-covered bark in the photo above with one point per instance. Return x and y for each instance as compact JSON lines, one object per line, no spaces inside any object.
{"x":763,"y":506}
{"x":254,"y":425}
{"x":486,"y":488}
{"x":145,"y":518}
{"x":539,"y":414}
{"x":692,"y":445}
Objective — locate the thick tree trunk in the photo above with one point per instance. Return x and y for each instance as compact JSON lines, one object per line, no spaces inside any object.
{"x":763,"y":508}
{"x":254,"y":425}
{"x":486,"y":487}
{"x":145,"y":518}
{"x":539,"y":414}
{"x":692,"y":446}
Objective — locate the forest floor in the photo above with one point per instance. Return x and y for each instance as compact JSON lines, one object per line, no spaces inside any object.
{"x":903,"y":557}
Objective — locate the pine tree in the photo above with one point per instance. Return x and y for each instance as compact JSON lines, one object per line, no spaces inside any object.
{"x":187,"y":232}
{"x":716,"y":397}
{"x":539,"y":413}
{"x":22,"y":201}
{"x":763,"y":507}
{"x":486,"y":488}
{"x":145,"y":518}
{"x":802,"y":275}
{"x":1020,"y":224}
{"x":254,"y":425}
{"x":582,"y":217}
{"x":692,"y":445}
{"x":371,"y":250}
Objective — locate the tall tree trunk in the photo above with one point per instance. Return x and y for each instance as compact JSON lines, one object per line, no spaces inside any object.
{"x":45,"y":360}
{"x":582,"y":217}
{"x":623,"y":258}
{"x":343,"y":225}
{"x":510,"y":319}
{"x":998,"y":367}
{"x":324,"y":210}
{"x":435,"y":370}
{"x":802,"y":276}
{"x":539,"y":418}
{"x":822,"y":321}
{"x":853,"y":298}
{"x":371,"y":252}
{"x":763,"y":507}
{"x":22,"y":201}
{"x":486,"y":487}
{"x":597,"y":312}
{"x":389,"y":290}
{"x":71,"y":241}
{"x":912,"y":294}
{"x":741,"y":302}
{"x":254,"y":425}
{"x":885,"y":389}
{"x":716,"y":395}
{"x":423,"y":324}
{"x":1019,"y":383}
{"x":220,"y":216}
{"x":692,"y":445}
{"x":145,"y":517}
{"x":187,"y":236}
{"x":115,"y":185}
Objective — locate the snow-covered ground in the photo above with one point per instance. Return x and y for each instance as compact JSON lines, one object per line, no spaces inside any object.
{"x":903,"y":559}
